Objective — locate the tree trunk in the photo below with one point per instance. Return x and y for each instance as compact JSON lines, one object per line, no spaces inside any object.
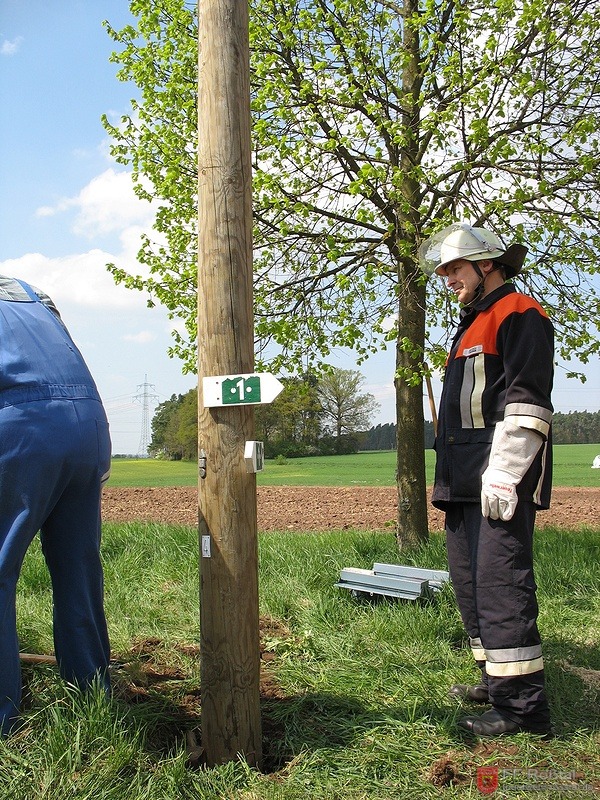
{"x":410,"y":445}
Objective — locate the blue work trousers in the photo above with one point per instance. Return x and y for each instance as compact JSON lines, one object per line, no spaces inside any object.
{"x":54,"y":454}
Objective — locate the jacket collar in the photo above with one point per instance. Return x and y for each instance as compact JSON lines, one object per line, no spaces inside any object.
{"x":488,"y":300}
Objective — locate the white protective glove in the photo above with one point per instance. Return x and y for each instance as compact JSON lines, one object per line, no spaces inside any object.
{"x":498,"y":494}
{"x":513,"y":451}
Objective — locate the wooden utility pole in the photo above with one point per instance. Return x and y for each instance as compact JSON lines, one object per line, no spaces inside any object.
{"x":230,"y":657}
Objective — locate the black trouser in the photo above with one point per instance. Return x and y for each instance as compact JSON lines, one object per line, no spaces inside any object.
{"x":491,"y":567}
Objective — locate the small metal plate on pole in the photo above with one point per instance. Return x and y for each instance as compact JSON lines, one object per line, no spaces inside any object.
{"x":254,"y":456}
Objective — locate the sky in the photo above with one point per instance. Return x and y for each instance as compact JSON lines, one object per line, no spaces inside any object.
{"x":67,"y":209}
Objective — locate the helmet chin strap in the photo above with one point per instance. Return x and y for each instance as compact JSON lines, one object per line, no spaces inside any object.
{"x":480,"y":288}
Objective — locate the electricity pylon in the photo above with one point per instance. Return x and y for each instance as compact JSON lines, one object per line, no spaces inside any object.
{"x":144,"y":396}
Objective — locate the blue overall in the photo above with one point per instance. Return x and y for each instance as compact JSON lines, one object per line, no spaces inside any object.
{"x":54,"y":454}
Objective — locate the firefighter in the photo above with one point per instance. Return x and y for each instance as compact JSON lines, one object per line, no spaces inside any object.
{"x":493,"y":471}
{"x":54,"y":456}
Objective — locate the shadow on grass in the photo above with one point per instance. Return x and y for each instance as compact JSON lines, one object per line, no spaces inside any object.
{"x":291,"y":725}
{"x":313,"y":722}
{"x":166,"y":702}
{"x":159,"y":696}
{"x":573,"y":684}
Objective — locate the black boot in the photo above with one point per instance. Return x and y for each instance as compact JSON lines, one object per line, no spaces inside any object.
{"x":492,"y":723}
{"x":476,"y":694}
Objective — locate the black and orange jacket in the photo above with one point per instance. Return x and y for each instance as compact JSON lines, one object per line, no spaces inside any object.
{"x":500,"y":366}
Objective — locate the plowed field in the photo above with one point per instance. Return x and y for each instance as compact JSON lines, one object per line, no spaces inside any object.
{"x":308,"y":508}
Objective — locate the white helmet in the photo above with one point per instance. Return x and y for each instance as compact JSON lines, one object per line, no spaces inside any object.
{"x":473,"y":244}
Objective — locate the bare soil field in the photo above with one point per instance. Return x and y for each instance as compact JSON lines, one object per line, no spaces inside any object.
{"x":316,"y":508}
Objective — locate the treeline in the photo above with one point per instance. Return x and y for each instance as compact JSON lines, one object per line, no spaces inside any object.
{"x":313,"y":415}
{"x":321,"y":417}
{"x":383,"y":437}
{"x":576,"y":427}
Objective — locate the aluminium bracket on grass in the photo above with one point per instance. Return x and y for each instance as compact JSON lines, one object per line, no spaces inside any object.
{"x":435,"y":577}
{"x":393,"y":580}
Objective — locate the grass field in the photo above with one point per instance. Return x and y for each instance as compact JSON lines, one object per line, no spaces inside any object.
{"x":572,"y":467}
{"x":364,"y":712}
{"x":361,"y":711}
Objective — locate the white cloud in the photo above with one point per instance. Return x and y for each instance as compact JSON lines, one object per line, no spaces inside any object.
{"x":107,"y":204}
{"x":389,"y":323}
{"x":50,"y":211}
{"x":143,"y":337}
{"x":81,"y":280}
{"x":381,"y":391}
{"x":130,"y":241}
{"x":177,"y":324}
{"x":9,"y":48}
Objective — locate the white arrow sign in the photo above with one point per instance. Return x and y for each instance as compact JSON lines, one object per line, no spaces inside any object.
{"x":240,"y":390}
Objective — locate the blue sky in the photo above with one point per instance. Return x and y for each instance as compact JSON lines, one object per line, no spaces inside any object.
{"x":67,"y":209}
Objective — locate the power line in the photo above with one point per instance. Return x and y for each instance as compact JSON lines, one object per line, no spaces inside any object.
{"x":144,"y":397}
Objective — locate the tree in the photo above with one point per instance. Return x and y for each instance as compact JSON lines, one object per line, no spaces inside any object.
{"x":375,"y":124}
{"x":186,"y":432}
{"x":161,"y":424}
{"x":175,"y":427}
{"x":342,"y":405}
{"x":291,"y":424}
{"x":294,"y":424}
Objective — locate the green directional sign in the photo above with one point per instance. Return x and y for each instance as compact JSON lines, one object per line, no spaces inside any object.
{"x":238,"y":390}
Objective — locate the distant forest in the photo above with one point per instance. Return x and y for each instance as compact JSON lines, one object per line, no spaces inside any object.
{"x":383,"y":437}
{"x":576,"y":427}
{"x":295,"y":426}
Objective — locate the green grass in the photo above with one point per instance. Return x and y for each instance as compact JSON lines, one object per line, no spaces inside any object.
{"x":364,"y":711}
{"x":152,"y":472}
{"x":572,"y":467}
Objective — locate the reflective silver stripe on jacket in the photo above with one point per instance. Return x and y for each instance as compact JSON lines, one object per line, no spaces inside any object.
{"x":537,"y":494}
{"x":527,"y":415}
{"x":471,"y":392}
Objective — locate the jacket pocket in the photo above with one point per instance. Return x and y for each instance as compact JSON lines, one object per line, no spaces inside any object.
{"x":468,"y":456}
